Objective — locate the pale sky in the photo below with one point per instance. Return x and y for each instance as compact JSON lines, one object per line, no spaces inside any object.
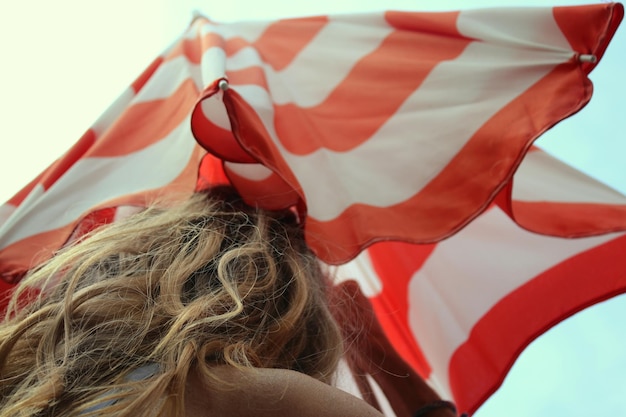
{"x":65,"y":61}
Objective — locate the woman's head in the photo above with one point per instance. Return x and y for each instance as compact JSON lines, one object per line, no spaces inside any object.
{"x":208,"y":282}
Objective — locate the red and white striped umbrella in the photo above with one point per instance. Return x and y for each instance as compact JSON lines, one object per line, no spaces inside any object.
{"x":378,"y":127}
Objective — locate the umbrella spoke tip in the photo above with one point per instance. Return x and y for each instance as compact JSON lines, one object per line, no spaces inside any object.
{"x":587,"y":58}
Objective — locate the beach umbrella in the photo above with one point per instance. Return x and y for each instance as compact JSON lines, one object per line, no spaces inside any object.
{"x":404,"y":142}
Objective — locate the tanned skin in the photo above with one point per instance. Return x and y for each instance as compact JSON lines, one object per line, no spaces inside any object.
{"x":272,"y":393}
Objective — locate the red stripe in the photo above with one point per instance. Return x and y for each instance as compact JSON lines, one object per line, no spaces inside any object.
{"x":6,"y":291}
{"x":234,"y":45}
{"x":437,"y":23}
{"x":193,"y":48}
{"x":18,"y":258}
{"x":395,"y":263}
{"x":210,"y":173}
{"x":92,"y":221}
{"x":145,"y":123}
{"x":5,"y":295}
{"x":254,"y":75}
{"x":78,"y":151}
{"x":282,"y":41}
{"x":478,"y":366}
{"x":271,"y":193}
{"x":569,"y":219}
{"x":372,"y":92}
{"x":146,"y":75}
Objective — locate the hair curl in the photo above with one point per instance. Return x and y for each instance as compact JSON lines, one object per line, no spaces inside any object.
{"x":205,"y":283}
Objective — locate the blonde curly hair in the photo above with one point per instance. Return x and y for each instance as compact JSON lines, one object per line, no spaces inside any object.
{"x":205,"y":283}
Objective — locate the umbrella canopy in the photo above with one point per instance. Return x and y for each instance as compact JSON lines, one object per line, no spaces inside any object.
{"x":376,"y":127}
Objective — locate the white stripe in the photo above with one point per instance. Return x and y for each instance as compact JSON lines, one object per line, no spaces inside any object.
{"x":214,"y":110}
{"x":249,"y":31}
{"x":213,"y":63}
{"x":542,"y":177}
{"x":521,"y":27}
{"x":6,"y":210}
{"x":252,"y":172}
{"x":344,"y":379}
{"x":443,"y":391}
{"x":113,"y":112}
{"x":93,"y":181}
{"x":31,"y":200}
{"x":361,"y":270}
{"x":122,"y":212}
{"x":466,"y":276}
{"x":245,"y":58}
{"x":360,"y":23}
{"x":168,"y":78}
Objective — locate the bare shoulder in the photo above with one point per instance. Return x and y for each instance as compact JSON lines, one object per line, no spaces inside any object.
{"x":272,"y":392}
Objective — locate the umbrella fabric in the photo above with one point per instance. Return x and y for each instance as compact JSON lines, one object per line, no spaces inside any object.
{"x":409,"y":123}
{"x":386,"y":126}
{"x":462,"y":310}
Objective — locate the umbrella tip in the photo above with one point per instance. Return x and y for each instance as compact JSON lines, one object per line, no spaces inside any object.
{"x":588,"y":58}
{"x":197,"y":14}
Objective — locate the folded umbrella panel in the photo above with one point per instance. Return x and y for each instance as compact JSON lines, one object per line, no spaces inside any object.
{"x":430,"y":119}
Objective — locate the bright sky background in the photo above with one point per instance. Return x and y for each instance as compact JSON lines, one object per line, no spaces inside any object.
{"x":64,"y":61}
